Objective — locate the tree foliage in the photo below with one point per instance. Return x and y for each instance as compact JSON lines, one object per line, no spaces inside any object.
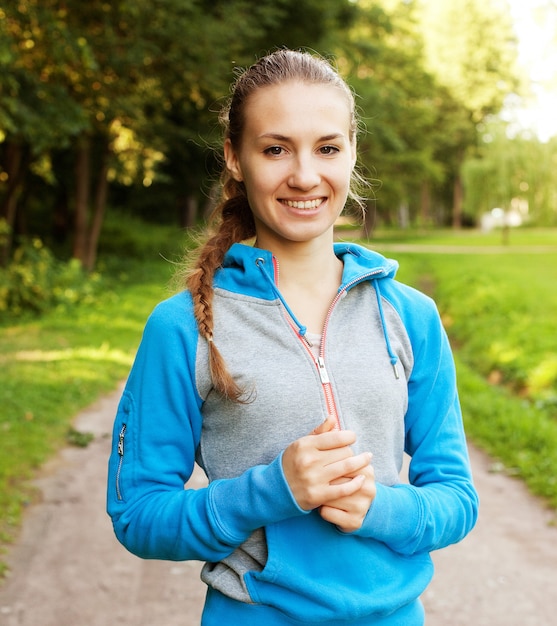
{"x":383,"y":58}
{"x":471,"y":49}
{"x":512,"y":173}
{"x":114,"y":102}
{"x":118,"y":89}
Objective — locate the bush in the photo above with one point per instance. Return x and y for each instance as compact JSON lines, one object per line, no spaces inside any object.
{"x":35,"y":282}
{"x":129,"y":238}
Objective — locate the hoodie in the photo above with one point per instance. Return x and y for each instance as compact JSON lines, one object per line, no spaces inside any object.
{"x":384,"y":370}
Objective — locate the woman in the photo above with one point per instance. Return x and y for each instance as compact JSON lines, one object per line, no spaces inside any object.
{"x":296,"y":372}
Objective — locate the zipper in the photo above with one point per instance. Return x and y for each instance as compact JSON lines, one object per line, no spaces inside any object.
{"x":120,"y":460}
{"x":320,"y":360}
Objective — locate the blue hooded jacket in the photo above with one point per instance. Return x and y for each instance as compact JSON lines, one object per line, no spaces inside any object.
{"x":385,"y":370}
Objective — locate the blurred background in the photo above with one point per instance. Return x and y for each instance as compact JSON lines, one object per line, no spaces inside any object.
{"x":110,"y":107}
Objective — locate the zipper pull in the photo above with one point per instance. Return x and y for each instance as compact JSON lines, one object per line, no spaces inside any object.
{"x":322,"y":371}
{"x":121,"y":440}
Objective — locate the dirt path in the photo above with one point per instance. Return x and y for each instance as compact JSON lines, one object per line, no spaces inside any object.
{"x":67,"y":569}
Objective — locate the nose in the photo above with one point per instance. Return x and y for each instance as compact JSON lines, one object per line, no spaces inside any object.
{"x":305,"y":174}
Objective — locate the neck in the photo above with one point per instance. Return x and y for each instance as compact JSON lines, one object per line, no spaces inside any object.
{"x":305,"y":262}
{"x":310,"y":275}
{"x":310,"y":268}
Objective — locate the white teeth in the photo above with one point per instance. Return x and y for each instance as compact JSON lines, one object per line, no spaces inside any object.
{"x":307,"y":204}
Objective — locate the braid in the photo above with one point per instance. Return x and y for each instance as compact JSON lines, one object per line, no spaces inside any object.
{"x":236,"y":225}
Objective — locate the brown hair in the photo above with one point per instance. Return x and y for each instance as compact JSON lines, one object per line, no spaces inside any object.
{"x":232,"y":219}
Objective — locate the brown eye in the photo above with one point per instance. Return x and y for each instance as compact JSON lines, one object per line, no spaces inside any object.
{"x":274,"y":151}
{"x":327,"y":150}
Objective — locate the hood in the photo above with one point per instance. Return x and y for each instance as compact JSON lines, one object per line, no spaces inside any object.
{"x":359,"y":264}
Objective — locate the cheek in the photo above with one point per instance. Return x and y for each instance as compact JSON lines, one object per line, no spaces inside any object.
{"x":263,"y":180}
{"x":257,"y":193}
{"x":341,"y":177}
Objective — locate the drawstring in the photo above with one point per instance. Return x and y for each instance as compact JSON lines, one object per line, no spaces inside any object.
{"x":392,"y":355}
{"x":260,"y":262}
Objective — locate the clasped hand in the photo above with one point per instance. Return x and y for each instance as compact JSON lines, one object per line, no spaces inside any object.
{"x":324,"y":473}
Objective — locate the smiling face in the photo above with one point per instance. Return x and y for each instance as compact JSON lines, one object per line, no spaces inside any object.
{"x":295,"y":159}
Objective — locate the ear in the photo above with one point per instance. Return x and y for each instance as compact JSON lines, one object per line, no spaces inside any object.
{"x":232,"y":161}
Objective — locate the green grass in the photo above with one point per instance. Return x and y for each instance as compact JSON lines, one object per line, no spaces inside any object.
{"x":500,"y":312}
{"x":513,"y":430}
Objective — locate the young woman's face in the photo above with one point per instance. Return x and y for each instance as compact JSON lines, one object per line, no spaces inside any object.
{"x":295,"y":159}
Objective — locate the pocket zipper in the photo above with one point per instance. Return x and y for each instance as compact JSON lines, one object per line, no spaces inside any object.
{"x":120,"y":461}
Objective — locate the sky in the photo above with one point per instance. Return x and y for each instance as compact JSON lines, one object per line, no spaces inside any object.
{"x":538,"y":55}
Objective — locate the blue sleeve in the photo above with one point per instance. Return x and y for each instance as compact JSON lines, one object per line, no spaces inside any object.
{"x":440,"y":505}
{"x":156,"y":432}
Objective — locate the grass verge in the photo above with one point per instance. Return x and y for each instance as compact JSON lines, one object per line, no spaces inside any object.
{"x":512,"y":430}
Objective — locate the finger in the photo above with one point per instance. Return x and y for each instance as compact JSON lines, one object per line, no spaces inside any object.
{"x":363,"y":467}
{"x":334,"y":439}
{"x":343,"y":479}
{"x":345,"y":489}
{"x":358,"y":503}
{"x":333,"y":514}
{"x":344,"y":520}
{"x":349,"y":465}
{"x":325,"y":426}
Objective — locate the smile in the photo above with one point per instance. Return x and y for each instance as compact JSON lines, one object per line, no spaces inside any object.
{"x":304,"y":204}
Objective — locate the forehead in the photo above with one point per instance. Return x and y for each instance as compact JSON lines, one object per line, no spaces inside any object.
{"x":293,"y":107}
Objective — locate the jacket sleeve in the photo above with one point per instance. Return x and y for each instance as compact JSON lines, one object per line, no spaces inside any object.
{"x":440,"y":505}
{"x":156,"y":433}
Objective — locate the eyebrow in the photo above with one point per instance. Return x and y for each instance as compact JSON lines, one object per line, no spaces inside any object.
{"x":279,"y":137}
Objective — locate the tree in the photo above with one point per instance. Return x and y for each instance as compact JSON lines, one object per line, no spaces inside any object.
{"x":35,"y":114}
{"x":512,"y":172}
{"x":383,"y":59}
{"x":471,"y":49}
{"x":132,"y":82}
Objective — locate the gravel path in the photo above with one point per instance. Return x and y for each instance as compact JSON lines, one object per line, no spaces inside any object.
{"x":67,"y":569}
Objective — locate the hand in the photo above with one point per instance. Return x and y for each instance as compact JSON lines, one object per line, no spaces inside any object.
{"x":321,"y":468}
{"x":348,"y":512}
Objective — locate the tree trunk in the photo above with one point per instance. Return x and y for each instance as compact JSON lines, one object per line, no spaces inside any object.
{"x":457,"y":202}
{"x":15,"y":170}
{"x":82,"y":191}
{"x":425,"y":204}
{"x":99,"y":209}
{"x":188,"y":213}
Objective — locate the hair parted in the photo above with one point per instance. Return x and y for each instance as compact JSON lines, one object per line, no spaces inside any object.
{"x":232,"y":220}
